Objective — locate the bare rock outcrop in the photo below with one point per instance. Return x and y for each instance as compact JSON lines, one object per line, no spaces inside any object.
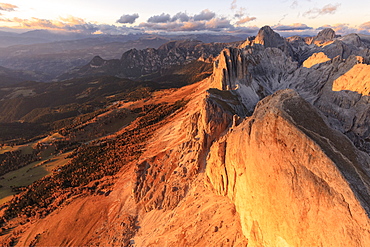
{"x":324,"y":36}
{"x":254,"y":72}
{"x":356,"y":79}
{"x":316,"y":58}
{"x":268,"y":38}
{"x":294,"y":181}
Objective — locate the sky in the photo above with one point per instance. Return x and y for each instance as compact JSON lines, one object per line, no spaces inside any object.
{"x":288,"y":17}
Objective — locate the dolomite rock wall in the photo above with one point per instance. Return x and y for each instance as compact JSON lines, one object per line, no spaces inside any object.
{"x":294,"y":181}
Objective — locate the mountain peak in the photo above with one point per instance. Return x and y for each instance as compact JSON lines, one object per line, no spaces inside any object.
{"x":97,"y":61}
{"x":324,"y":36}
{"x":327,"y":33}
{"x":266,"y":29}
{"x":267,"y":37}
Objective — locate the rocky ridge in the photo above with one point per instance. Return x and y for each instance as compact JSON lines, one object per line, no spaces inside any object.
{"x":264,"y":153}
{"x":135,"y":63}
{"x":256,"y":71}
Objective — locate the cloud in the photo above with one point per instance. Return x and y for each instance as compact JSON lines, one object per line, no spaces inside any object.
{"x":163,"y":18}
{"x":183,"y":17}
{"x":7,"y":7}
{"x":233,"y":5}
{"x":159,"y":26}
{"x":365,"y":26}
{"x":241,"y":15}
{"x":240,"y":12}
{"x":191,"y":26}
{"x":128,"y":18}
{"x":217,"y":23}
{"x":316,"y":12}
{"x":252,"y":30}
{"x":205,"y":15}
{"x":206,"y":20}
{"x":245,"y":20}
{"x":341,"y":28}
{"x":69,"y":24}
{"x":293,"y":27}
{"x":294,"y":4}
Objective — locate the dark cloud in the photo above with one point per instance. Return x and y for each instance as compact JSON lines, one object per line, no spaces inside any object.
{"x":7,"y":7}
{"x":163,"y":18}
{"x":293,"y":27}
{"x":183,"y":17}
{"x":128,"y":18}
{"x":316,"y":12}
{"x":205,"y":15}
{"x":240,"y":13}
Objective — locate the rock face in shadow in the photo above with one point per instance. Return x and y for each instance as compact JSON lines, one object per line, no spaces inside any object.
{"x":294,"y":180}
{"x":324,"y":36}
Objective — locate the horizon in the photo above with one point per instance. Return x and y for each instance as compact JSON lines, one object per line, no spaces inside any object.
{"x":287,"y":17}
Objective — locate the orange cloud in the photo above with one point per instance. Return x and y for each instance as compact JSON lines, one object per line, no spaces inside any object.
{"x":341,"y":28}
{"x":66,"y":24}
{"x":7,"y":7}
{"x":327,"y":9}
{"x":365,"y":26}
{"x":245,"y":20}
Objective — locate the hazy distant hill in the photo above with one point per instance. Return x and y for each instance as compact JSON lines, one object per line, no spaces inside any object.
{"x":136,"y":63}
{"x":35,"y":37}
{"x":56,"y":58}
{"x":11,"y":77}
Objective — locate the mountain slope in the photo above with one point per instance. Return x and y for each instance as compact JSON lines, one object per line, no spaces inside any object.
{"x":291,"y":177}
{"x":261,"y":153}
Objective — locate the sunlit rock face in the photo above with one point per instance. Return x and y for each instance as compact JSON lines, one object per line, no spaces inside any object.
{"x":255,"y":71}
{"x":316,"y":58}
{"x":356,"y":79}
{"x":289,"y":168}
{"x":294,"y":181}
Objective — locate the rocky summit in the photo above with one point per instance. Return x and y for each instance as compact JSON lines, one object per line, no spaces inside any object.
{"x":272,"y":149}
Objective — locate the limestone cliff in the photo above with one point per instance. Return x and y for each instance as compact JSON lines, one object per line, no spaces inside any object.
{"x":294,"y":181}
{"x":255,"y":72}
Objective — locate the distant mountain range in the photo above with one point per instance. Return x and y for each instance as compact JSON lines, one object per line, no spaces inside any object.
{"x":49,"y":55}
